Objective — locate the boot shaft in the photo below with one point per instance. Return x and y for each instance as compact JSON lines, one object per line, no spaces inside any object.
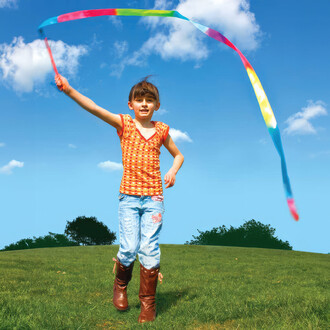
{"x":124,"y":273}
{"x":148,"y":281}
{"x":147,"y":293}
{"x":123,"y":276}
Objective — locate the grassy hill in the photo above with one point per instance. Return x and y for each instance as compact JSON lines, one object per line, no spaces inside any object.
{"x":204,"y":287}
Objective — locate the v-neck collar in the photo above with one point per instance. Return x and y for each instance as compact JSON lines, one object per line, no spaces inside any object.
{"x":141,"y":133}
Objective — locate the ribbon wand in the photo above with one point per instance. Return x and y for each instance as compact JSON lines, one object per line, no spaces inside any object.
{"x":264,"y":105}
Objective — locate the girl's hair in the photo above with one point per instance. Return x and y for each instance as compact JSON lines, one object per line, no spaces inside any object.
{"x":144,"y":88}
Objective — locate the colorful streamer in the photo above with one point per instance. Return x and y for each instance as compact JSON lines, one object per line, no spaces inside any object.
{"x":265,"y":107}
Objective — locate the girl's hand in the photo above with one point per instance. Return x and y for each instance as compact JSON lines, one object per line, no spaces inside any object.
{"x":169,"y":178}
{"x":61,"y":83}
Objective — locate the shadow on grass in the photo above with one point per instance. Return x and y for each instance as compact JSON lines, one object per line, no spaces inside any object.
{"x":169,"y":299}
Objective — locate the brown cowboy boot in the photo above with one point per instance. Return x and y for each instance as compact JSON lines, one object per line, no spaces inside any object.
{"x":148,"y":285}
{"x":123,"y":276}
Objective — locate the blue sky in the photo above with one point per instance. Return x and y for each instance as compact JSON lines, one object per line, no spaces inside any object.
{"x":58,"y":162}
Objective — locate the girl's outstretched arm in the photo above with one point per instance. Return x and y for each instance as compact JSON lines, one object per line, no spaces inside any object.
{"x":89,"y":105}
{"x":177,"y":163}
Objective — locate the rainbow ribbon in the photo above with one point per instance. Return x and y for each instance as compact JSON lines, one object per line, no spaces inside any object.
{"x":265,"y":107}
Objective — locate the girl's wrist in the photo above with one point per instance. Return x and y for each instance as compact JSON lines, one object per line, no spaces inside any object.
{"x":67,"y":89}
{"x":174,"y":170}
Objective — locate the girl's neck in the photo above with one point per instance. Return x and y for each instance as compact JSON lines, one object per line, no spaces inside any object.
{"x":144,"y":123}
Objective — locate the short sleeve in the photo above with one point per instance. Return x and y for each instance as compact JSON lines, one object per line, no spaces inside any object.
{"x":162,"y":130}
{"x":165,"y":134}
{"x":126,"y":121}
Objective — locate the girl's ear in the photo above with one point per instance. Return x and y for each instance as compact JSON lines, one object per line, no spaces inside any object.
{"x":157,"y":106}
{"x":130,"y":105}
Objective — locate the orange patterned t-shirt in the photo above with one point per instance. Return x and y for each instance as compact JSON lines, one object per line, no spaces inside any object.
{"x":141,"y":158}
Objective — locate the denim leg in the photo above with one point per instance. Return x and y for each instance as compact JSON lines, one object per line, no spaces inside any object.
{"x":129,"y":228}
{"x":151,"y":225}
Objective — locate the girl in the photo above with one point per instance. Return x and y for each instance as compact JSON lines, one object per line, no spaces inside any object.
{"x":141,"y":201}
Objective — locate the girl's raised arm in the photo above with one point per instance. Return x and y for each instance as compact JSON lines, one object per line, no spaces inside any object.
{"x":89,"y":105}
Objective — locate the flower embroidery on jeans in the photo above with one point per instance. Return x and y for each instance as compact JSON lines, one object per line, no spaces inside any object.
{"x":159,"y":198}
{"x":157,"y":218}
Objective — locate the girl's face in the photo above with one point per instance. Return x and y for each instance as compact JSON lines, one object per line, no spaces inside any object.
{"x":144,"y":107}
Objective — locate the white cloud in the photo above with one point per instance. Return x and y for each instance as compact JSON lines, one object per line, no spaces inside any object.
{"x":110,"y":166}
{"x":161,"y":112}
{"x":7,"y":169}
{"x":22,"y":65}
{"x":72,"y":146}
{"x":178,"y":136}
{"x":96,"y":43}
{"x":299,"y":123}
{"x":116,"y":21}
{"x":120,"y":47}
{"x":8,"y":3}
{"x":163,"y":4}
{"x":179,"y":39}
{"x":2,"y":144}
{"x":231,"y":17}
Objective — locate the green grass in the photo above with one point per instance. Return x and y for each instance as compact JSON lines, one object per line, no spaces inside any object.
{"x":204,"y":287}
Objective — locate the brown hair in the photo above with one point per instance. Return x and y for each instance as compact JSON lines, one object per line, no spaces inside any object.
{"x":144,"y":88}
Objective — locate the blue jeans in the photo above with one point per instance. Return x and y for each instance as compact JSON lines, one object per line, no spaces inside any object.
{"x":140,"y":223}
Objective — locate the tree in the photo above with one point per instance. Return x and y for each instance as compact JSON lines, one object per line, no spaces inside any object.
{"x":251,"y":234}
{"x":50,"y":240}
{"x":89,"y":231}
